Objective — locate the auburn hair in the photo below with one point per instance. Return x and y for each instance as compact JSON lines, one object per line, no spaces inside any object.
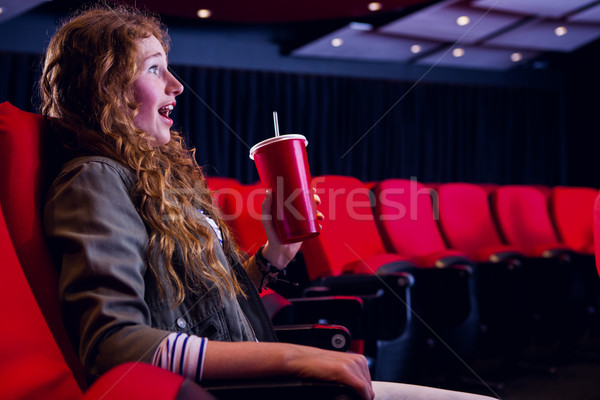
{"x":87,"y":87}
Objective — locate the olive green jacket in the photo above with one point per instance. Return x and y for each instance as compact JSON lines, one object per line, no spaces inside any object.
{"x":111,"y":303}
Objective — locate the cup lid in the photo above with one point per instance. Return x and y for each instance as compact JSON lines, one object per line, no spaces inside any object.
{"x":276,"y":139}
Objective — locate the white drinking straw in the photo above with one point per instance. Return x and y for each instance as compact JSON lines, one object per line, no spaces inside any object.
{"x":276,"y":123}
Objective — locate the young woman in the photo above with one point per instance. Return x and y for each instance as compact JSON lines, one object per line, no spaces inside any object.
{"x":148,"y":271}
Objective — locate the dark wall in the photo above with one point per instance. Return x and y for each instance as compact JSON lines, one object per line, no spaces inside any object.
{"x":582,"y":114}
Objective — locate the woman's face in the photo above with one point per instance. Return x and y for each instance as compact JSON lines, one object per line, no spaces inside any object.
{"x":155,"y":91}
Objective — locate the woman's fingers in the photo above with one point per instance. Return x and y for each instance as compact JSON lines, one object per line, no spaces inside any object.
{"x":320,"y":216}
{"x":317,"y":199}
{"x":365,"y":376}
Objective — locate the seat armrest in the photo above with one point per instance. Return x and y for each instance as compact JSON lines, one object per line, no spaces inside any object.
{"x":144,"y":381}
{"x":360,"y":284}
{"x":386,"y":301}
{"x":324,"y":336}
{"x":340,"y":310}
{"x":560,"y":254}
{"x":511,"y":258}
{"x":452,"y":261}
{"x":280,"y":388}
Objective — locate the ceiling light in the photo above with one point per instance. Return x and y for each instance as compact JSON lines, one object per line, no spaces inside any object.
{"x":337,"y":42}
{"x":516,"y":57}
{"x":361,"y":26}
{"x":458,"y":52}
{"x":463,"y":20}
{"x":1,"y":10}
{"x":560,"y":31}
{"x":415,"y":48}
{"x":374,"y":6}
{"x":204,"y":13}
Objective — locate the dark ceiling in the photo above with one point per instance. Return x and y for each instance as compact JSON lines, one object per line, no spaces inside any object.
{"x":258,"y":11}
{"x":472,"y":34}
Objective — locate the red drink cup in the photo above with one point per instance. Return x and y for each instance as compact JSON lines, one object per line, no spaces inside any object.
{"x":282,"y":165}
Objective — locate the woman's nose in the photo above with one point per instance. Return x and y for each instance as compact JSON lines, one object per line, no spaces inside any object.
{"x":174,"y":87}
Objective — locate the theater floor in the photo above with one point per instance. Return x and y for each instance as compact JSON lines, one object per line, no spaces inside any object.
{"x":575,"y":377}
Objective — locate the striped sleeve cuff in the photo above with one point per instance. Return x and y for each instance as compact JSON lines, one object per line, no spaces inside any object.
{"x":181,"y":354}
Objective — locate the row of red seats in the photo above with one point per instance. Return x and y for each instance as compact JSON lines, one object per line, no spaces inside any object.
{"x":479,"y":221}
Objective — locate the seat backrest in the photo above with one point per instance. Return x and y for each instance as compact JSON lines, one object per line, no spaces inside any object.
{"x":349,"y":232}
{"x":466,"y":220}
{"x":241,"y":206}
{"x":243,"y":213}
{"x":523,"y":218}
{"x":571,"y":210}
{"x":32,"y":365}
{"x":21,"y":167}
{"x":406,"y":218}
{"x":222,"y":188}
{"x":544,"y":189}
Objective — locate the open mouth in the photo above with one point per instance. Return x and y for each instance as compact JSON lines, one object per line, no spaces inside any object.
{"x":166,"y":111}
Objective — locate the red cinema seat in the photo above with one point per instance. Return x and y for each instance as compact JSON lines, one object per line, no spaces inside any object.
{"x":523,"y":219}
{"x":556,"y":277}
{"x":406,"y":213}
{"x":38,"y":360}
{"x":571,"y":209}
{"x":33,"y":366}
{"x":572,"y":212}
{"x":467,"y":224}
{"x":349,"y":258}
{"x":349,"y":241}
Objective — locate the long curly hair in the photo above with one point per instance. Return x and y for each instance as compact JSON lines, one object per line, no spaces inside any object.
{"x":87,"y":87}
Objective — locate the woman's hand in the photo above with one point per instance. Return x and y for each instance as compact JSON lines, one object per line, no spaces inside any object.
{"x":348,"y":368}
{"x":249,"y":360}
{"x":277,"y":253}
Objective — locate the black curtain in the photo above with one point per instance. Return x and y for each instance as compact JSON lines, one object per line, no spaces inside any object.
{"x":376,"y":129}
{"x":19,"y":75}
{"x":367,"y":128}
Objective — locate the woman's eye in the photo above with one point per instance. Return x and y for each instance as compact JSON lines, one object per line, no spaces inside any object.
{"x":153,"y":69}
